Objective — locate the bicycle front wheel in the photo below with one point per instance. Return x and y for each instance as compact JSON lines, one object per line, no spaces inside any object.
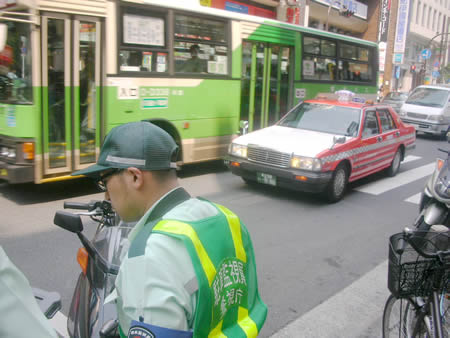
{"x":399,"y":319}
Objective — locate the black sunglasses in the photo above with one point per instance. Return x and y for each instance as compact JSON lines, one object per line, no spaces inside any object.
{"x":103,"y":180}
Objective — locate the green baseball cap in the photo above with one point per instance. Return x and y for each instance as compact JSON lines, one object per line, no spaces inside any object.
{"x":142,"y":145}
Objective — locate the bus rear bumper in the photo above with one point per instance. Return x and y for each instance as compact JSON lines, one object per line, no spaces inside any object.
{"x":14,"y":174}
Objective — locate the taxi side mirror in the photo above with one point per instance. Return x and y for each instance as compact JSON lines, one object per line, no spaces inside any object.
{"x":243,"y":125}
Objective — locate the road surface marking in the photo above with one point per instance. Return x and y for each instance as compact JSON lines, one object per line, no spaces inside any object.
{"x":380,"y":186}
{"x":414,"y":198}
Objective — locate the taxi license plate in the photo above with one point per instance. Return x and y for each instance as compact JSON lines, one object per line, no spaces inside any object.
{"x":3,"y":172}
{"x":266,"y":179}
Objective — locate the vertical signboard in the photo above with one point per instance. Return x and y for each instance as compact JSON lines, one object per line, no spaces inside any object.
{"x":385,"y":8}
{"x":402,"y":26}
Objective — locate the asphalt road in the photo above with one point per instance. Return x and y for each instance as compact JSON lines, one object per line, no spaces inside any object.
{"x":312,"y":257}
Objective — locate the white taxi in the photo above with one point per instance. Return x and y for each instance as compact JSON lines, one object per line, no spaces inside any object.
{"x":322,"y":144}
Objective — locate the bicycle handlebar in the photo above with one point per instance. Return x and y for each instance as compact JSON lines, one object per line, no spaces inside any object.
{"x":409,"y":236}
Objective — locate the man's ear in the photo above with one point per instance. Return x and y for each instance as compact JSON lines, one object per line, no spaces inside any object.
{"x":136,"y":177}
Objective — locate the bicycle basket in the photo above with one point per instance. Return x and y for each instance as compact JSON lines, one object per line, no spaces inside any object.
{"x":410,"y":274}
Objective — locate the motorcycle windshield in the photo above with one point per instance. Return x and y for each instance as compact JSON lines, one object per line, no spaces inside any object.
{"x":442,"y":184}
{"x":112,"y":242}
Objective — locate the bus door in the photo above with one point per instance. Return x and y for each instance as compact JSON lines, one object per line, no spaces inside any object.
{"x":71,"y":94}
{"x":265,"y":94}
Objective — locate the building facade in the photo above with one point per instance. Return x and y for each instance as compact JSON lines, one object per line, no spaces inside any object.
{"x":413,"y":35}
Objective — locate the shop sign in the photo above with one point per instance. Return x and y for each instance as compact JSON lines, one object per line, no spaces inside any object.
{"x":402,"y":25}
{"x":385,"y":8}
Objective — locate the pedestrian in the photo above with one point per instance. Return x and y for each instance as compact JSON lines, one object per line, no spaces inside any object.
{"x":20,"y":315}
{"x":190,"y":267}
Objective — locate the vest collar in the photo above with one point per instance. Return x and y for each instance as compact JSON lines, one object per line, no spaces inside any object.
{"x":168,"y":202}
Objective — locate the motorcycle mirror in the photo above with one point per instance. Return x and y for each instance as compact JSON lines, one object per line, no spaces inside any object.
{"x":109,"y":329}
{"x":68,"y":221}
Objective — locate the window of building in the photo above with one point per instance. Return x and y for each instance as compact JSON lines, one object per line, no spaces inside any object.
{"x":429,"y":18}
{"x":424,"y":13}
{"x":417,"y":12}
{"x":434,"y":23}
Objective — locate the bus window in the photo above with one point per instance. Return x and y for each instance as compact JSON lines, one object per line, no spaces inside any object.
{"x":353,"y":52}
{"x":15,"y":65}
{"x":200,"y":45}
{"x":322,"y":62}
{"x":143,"y":46}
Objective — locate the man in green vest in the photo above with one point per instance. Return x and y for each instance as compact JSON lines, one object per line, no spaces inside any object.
{"x":190,"y":267}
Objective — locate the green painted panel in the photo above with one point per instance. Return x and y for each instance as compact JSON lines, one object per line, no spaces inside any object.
{"x":273,"y":34}
{"x":21,"y":120}
{"x":312,"y":89}
{"x":211,"y":108}
{"x":236,"y":70}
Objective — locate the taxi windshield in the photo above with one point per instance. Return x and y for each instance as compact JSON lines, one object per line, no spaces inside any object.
{"x":324,"y":118}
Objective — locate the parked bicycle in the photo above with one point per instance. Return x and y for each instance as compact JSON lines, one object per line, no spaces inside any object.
{"x":419,"y":281}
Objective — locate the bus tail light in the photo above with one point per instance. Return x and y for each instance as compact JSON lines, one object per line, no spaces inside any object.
{"x":28,"y":150}
{"x":83,"y":259}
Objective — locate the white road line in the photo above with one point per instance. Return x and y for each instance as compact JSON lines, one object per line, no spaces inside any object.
{"x":349,"y":313}
{"x":59,"y":323}
{"x":411,"y":158}
{"x":383,"y":185}
{"x":414,"y":198}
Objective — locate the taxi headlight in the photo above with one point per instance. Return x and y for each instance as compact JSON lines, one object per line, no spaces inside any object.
{"x":306,"y":163}
{"x":238,"y":150}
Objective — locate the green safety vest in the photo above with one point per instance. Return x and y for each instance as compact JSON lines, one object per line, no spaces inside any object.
{"x":228,"y":302}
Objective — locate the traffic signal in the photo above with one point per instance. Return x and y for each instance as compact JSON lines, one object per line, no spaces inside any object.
{"x":413,"y":68}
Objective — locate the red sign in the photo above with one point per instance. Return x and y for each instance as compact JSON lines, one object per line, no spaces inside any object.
{"x":6,"y":55}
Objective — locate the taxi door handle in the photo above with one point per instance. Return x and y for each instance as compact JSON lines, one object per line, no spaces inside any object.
{"x":379,"y":138}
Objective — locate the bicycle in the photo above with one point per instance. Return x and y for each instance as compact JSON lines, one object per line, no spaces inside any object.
{"x":419,"y":282}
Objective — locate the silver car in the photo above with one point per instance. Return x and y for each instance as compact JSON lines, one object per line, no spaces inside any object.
{"x":395,"y":99}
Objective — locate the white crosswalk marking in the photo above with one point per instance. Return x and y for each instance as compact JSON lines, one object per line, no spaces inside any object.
{"x":411,"y":158}
{"x":414,"y":198}
{"x":381,"y":186}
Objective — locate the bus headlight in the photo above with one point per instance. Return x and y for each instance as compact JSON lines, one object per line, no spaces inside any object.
{"x":306,"y":163}
{"x":238,"y":150}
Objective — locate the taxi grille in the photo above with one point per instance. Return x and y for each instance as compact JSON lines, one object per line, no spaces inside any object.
{"x":417,"y":116}
{"x":267,"y":156}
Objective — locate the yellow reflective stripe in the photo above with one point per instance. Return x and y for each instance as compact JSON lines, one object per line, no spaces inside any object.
{"x":217,"y":332}
{"x":246,"y":323}
{"x":180,"y":228}
{"x":235,"y":228}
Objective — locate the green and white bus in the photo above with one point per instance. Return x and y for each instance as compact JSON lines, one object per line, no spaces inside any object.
{"x":72,"y":70}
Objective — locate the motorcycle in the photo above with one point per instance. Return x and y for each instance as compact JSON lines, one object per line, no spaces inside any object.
{"x":435,"y":199}
{"x":99,"y":260}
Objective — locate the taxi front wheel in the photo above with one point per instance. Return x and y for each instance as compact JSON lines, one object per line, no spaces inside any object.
{"x":338,"y":184}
